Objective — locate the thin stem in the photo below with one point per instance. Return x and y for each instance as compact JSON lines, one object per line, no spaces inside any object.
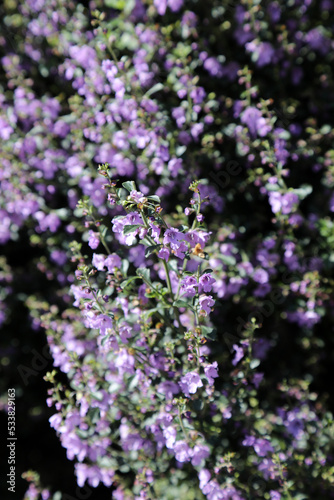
{"x":169,"y":284}
{"x":181,"y":423}
{"x":103,"y":241}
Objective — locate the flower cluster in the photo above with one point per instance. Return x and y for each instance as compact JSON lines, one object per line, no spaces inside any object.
{"x":194,"y":328}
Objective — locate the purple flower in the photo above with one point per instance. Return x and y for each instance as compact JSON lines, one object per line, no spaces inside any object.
{"x":262,"y":447}
{"x":257,"y":379}
{"x":189,"y":286}
{"x":5,"y":130}
{"x":112,"y":262}
{"x":280,"y":152}
{"x":173,"y":237}
{"x":199,"y":453}
{"x":137,"y":196}
{"x":205,"y":283}
{"x":155,"y":231}
{"x":211,"y":372}
{"x":59,"y":257}
{"x":180,"y":251}
{"x":198,"y":94}
{"x":206,"y":302}
{"x":98,"y":261}
{"x":170,"y":436}
{"x":125,"y":333}
{"x":175,"y":5}
{"x":168,"y":388}
{"x":119,"y":223}
{"x":93,"y":240}
{"x":213,"y":67}
{"x":284,"y":203}
{"x":190,"y":382}
{"x":239,"y":354}
{"x":261,"y":276}
{"x":255,"y":122}
{"x":182,"y":451}
{"x":161,"y":5}
{"x":164,"y":253}
{"x":93,"y":475}
{"x":289,"y":200}
{"x":174,"y":166}
{"x":260,"y":348}
{"x":263,"y":53}
{"x":204,"y":477}
{"x":125,"y":362}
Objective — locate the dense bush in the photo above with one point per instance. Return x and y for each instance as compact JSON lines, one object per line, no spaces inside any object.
{"x":166,"y":219}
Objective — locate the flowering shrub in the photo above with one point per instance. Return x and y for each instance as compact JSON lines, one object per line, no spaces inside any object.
{"x":190,"y":330}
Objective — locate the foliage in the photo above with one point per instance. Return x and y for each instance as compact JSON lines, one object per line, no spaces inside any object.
{"x":170,"y":163}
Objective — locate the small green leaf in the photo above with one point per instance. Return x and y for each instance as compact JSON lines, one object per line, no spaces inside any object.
{"x":104,"y":339}
{"x":125,"y":267}
{"x":125,"y":283}
{"x":94,"y":414}
{"x":207,"y":271}
{"x":197,"y":405}
{"x":156,"y":88}
{"x":303,"y":191}
{"x":272,"y":187}
{"x":97,"y":395}
{"x":228,"y":259}
{"x":144,"y":273}
{"x":173,"y":265}
{"x":149,"y":250}
{"x":129,"y":186}
{"x":130,"y":228}
{"x":180,"y":150}
{"x":181,"y":303}
{"x":254,"y":363}
{"x":209,"y":332}
{"x":83,"y":434}
{"x":154,"y":198}
{"x":115,"y":4}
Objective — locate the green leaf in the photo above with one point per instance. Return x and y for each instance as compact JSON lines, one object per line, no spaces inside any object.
{"x":303,"y":191}
{"x":107,"y":462}
{"x":179,"y":150}
{"x":149,"y":250}
{"x":121,"y":193}
{"x":129,"y":186}
{"x":103,"y":230}
{"x":97,"y":395}
{"x":197,"y":405}
{"x":254,"y":363}
{"x":94,"y":414}
{"x":156,"y":88}
{"x":207,"y":271}
{"x":125,"y":267}
{"x":181,"y":303}
{"x":228,"y":259}
{"x":144,"y":273}
{"x":209,"y":332}
{"x":104,"y":339}
{"x":172,"y":264}
{"x":115,"y":4}
{"x":130,"y":228}
{"x":272,"y":187}
{"x":125,"y":283}
{"x":154,"y":198}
